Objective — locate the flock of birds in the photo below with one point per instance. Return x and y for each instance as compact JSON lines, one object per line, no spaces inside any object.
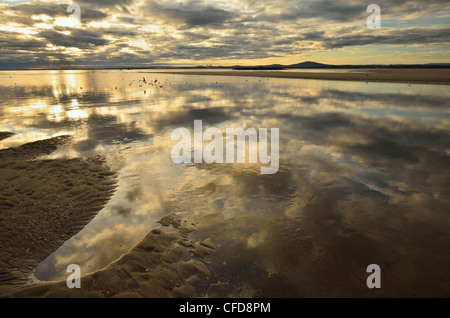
{"x":150,"y":83}
{"x":154,"y":83}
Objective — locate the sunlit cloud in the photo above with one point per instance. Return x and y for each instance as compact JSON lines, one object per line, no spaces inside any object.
{"x":134,"y":33}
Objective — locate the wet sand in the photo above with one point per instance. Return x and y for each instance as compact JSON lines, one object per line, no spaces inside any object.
{"x":43,"y":203}
{"x":5,"y":134}
{"x":434,"y":76}
{"x":364,"y":181}
{"x":153,"y":268}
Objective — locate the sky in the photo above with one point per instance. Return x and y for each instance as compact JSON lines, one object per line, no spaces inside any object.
{"x":137,"y":33}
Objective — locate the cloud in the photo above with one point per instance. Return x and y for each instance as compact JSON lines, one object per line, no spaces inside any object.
{"x":137,"y":33}
{"x":192,"y":13}
{"x":392,"y":36}
{"x":25,"y":11}
{"x":103,"y":3}
{"x":126,"y":19}
{"x":338,"y":10}
{"x":8,"y":41}
{"x":322,"y":9}
{"x":78,"y":38}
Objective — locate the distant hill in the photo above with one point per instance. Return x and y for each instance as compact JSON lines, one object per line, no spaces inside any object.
{"x":309,"y":64}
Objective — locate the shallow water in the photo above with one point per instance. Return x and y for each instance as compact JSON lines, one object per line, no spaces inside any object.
{"x":364,"y":176}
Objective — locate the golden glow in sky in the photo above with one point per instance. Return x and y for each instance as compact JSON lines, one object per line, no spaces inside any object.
{"x":135,"y":33}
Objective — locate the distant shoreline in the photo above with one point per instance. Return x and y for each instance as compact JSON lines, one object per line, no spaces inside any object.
{"x":299,"y":67}
{"x":416,"y":76}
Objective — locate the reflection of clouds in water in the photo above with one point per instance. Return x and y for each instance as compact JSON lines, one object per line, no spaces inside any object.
{"x":122,"y":210}
{"x":105,"y":130}
{"x":357,"y":99}
{"x":378,"y":143}
{"x":140,"y":200}
{"x":346,"y":172}
{"x":181,"y":102}
{"x":185,"y":118}
{"x":334,"y":225}
{"x":363,"y":177}
{"x":113,"y":241}
{"x":134,"y":194}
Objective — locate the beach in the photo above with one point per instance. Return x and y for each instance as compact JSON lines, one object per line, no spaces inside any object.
{"x":392,"y":75}
{"x":46,"y":202}
{"x":247,"y":150}
{"x":87,"y":178}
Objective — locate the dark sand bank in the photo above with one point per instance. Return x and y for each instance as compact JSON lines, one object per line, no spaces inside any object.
{"x":5,"y":134}
{"x":156,"y":267}
{"x":45,"y":202}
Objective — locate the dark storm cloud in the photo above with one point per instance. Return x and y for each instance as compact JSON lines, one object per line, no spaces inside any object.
{"x":191,"y":14}
{"x":78,"y":38}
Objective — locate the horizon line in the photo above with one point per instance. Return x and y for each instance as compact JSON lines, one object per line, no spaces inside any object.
{"x":256,"y":67}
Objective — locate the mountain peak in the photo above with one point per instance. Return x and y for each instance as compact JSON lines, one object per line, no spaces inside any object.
{"x":308,"y":64}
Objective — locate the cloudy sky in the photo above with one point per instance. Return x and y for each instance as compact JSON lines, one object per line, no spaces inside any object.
{"x":127,"y":33}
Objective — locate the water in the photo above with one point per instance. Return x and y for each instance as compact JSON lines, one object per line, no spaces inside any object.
{"x":363,"y":178}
